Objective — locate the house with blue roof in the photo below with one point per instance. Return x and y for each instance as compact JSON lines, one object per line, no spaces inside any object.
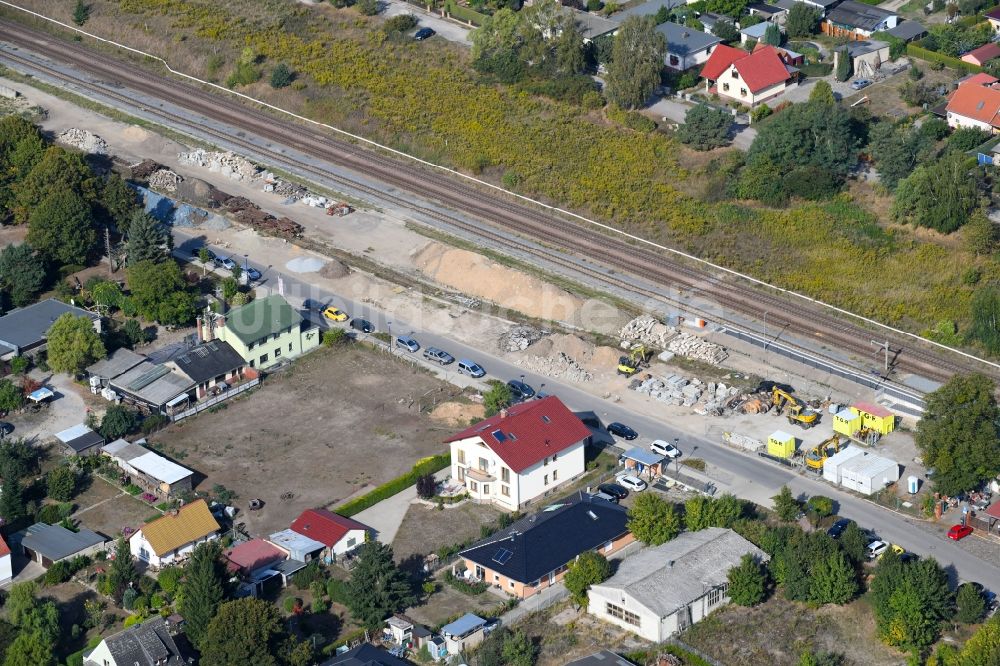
{"x":464,"y":633}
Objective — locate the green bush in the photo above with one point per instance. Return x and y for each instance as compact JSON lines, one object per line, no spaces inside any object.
{"x":390,"y":488}
{"x":400,"y":23}
{"x":245,"y":74}
{"x":281,"y":76}
{"x":19,"y":364}
{"x":336,"y":589}
{"x":464,"y":13}
{"x":472,"y":589}
{"x":367,"y":7}
{"x":334,"y":336}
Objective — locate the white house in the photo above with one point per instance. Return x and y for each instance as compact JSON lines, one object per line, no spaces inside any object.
{"x":173,"y":536}
{"x":148,"y":644}
{"x":6,"y":571}
{"x":340,"y":535}
{"x":520,"y":454}
{"x":663,"y":590}
{"x":748,"y":78}
{"x":975,"y":103}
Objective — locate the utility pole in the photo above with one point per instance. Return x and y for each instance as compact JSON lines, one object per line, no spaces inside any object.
{"x":107,"y":250}
{"x":884,"y":346}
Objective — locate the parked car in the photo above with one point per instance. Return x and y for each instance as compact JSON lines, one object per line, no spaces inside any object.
{"x":407,"y":343}
{"x":334,"y":314}
{"x":876,"y":549}
{"x":907,"y":557}
{"x":362,"y":325}
{"x":471,"y":368}
{"x":6,"y":428}
{"x":438,"y":356}
{"x":861,"y":83}
{"x":423,"y":33}
{"x":520,"y":390}
{"x":633,"y":483}
{"x":253,"y":274}
{"x":212,"y":257}
{"x":838,"y":527}
{"x":605,"y":497}
{"x":958,"y":532}
{"x":226,"y":263}
{"x":664,"y":448}
{"x":622,"y":430}
{"x":613,"y":489}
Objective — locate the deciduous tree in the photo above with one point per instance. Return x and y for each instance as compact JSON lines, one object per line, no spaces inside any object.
{"x":22,"y":273}
{"x":519,"y":649}
{"x":705,"y":128}
{"x":118,"y":201}
{"x":785,"y":504}
{"x":496,"y":398}
{"x":377,"y":587}
{"x":60,"y":483}
{"x":725,"y":31}
{"x":802,"y":20}
{"x":637,"y":58}
{"x":653,"y":520}
{"x":832,"y":580}
{"x":732,"y":8}
{"x":117,"y":422}
{"x":810,"y":134}
{"x":202,"y":591}
{"x":61,"y":227}
{"x":940,"y":195}
{"x":30,"y":648}
{"x":73,"y":344}
{"x":245,"y":631}
{"x":160,"y":292}
{"x":588,"y":569}
{"x":11,"y":395}
{"x":958,"y":435}
{"x":747,"y":582}
{"x":58,"y":171}
{"x":983,"y":649}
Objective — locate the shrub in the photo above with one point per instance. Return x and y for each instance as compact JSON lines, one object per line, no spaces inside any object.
{"x":368,"y":7}
{"x":334,"y":336}
{"x":312,"y":573}
{"x":426,"y":486}
{"x":761,"y":112}
{"x":245,"y":74}
{"x":336,"y":589}
{"x":132,"y":620}
{"x":281,"y":76}
{"x":400,"y":23}
{"x":472,"y":589}
{"x":154,"y":422}
{"x":19,"y":364}
{"x":426,"y":466}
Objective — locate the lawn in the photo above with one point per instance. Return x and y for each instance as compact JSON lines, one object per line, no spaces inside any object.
{"x":425,"y":99}
{"x":425,"y":529}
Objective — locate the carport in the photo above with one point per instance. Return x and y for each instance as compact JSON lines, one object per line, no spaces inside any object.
{"x":643,"y":461}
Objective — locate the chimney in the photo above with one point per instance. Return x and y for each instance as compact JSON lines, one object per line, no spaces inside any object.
{"x":503,"y":413}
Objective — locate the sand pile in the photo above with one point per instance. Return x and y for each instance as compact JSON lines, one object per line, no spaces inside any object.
{"x":476,"y":275}
{"x":567,"y":357}
{"x":456,"y":414}
{"x":335,"y":269}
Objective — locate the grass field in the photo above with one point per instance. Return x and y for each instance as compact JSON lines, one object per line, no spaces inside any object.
{"x":425,"y":99}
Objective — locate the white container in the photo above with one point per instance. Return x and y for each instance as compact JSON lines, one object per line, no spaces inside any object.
{"x":912,"y":484}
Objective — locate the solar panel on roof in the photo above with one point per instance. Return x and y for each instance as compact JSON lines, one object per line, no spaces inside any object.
{"x":502,"y":556}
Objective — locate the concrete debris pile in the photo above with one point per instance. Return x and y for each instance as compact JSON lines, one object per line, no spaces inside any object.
{"x":519,"y":338}
{"x":679,"y":391}
{"x":164,"y":180}
{"x":314,"y":200}
{"x":283,"y":188}
{"x":229,"y":164}
{"x":718,"y":398}
{"x":83,"y":140}
{"x":248,"y":213}
{"x":559,"y":366}
{"x":646,"y":330}
{"x":691,"y":346}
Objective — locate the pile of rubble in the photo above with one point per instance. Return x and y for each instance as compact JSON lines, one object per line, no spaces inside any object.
{"x":229,"y":164}
{"x":86,"y":141}
{"x":676,"y":390}
{"x":164,"y":180}
{"x":560,"y":366}
{"x":144,"y":169}
{"x":283,"y":188}
{"x":519,"y":338}
{"x":644,"y":329}
{"x":248,"y":213}
{"x":691,"y":346}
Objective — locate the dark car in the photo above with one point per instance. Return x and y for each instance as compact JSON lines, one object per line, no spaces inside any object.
{"x":838,"y":528}
{"x":614,"y":490}
{"x":6,"y":428}
{"x":438,"y":356}
{"x":622,"y":430}
{"x":520,"y":390}
{"x":253,"y":274}
{"x":423,"y":33}
{"x":908,"y":557}
{"x":362,"y":325}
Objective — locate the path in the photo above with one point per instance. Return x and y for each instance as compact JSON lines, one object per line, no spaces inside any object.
{"x":386,"y":516}
{"x":94,"y":506}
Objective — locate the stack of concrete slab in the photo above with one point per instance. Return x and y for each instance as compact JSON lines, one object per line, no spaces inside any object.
{"x":229,"y":164}
{"x":646,"y":330}
{"x":673,"y":390}
{"x":691,"y":346}
{"x":743,"y":442}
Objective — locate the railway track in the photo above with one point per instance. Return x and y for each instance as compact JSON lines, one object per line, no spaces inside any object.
{"x":517,"y":219}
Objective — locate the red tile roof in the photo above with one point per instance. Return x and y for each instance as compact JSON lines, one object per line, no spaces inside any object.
{"x":528,"y":432}
{"x":325,"y":526}
{"x":4,"y":548}
{"x":762,"y":69}
{"x":976,"y":102}
{"x":874,"y":410}
{"x":722,"y":57}
{"x":254,"y":554}
{"x":983,"y":54}
{"x":979,"y":79}
{"x":993,"y":510}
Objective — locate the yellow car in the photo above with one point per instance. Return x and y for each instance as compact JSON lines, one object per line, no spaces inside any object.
{"x":335,"y":314}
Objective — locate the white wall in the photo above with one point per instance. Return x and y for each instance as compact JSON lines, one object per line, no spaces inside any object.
{"x":100,"y":655}
{"x":955,"y":121}
{"x":343,"y":546}
{"x":568,"y":464}
{"x":137,"y":542}
{"x":6,"y":572}
{"x":649,"y":624}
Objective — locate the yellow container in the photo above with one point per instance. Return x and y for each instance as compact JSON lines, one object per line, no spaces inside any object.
{"x":781,"y":444}
{"x":847,"y":422}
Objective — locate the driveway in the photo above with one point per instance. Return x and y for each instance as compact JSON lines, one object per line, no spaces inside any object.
{"x":386,"y":516}
{"x":450,"y":30}
{"x":64,"y":411}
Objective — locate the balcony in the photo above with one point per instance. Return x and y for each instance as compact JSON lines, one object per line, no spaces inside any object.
{"x":479,"y":475}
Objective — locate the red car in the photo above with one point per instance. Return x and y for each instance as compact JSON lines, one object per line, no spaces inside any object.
{"x":959,"y":532}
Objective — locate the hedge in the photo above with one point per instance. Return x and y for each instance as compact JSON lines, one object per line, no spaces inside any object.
{"x":948,"y":61}
{"x":388,"y":489}
{"x":464,"y":13}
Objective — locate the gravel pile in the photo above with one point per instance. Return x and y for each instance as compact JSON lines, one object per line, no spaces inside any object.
{"x":164,"y":180}
{"x":283,"y":188}
{"x":519,"y":338}
{"x":86,"y":141}
{"x":229,"y":164}
{"x":560,"y":366}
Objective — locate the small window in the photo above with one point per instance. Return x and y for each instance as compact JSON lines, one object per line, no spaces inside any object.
{"x":511,"y":583}
{"x":484,"y":464}
{"x":263,"y":359}
{"x":736,"y":74}
{"x":277,"y":352}
{"x":546,"y":463}
{"x":486,"y":489}
{"x":674,"y":61}
{"x":546,"y":479}
{"x":554,"y":456}
{"x":555,"y":474}
{"x":725,"y":87}
{"x":608,"y":546}
{"x":496,"y":578}
{"x":473,"y":486}
{"x":351,"y":542}
{"x":505,"y":491}
{"x":743,"y":92}
{"x":546,"y":419}
{"x":505,"y":475}
{"x":289,"y":347}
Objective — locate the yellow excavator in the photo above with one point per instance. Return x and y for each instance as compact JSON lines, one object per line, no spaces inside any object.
{"x":637,"y":359}
{"x":817,"y":455}
{"x":798,"y":412}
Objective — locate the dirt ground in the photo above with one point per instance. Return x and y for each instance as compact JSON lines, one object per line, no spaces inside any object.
{"x":448,"y":602}
{"x":425,"y":529}
{"x":733,"y":635}
{"x":106,"y":509}
{"x":337,"y":422}
{"x":565,"y":633}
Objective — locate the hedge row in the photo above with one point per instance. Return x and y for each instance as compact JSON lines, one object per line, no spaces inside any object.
{"x":464,"y":13}
{"x":948,"y":61}
{"x":390,"y":488}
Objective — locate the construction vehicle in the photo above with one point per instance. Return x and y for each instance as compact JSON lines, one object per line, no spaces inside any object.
{"x":637,"y":359}
{"x":799,"y":413}
{"x":817,"y":455}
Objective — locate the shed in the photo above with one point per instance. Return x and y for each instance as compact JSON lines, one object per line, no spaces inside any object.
{"x":640,"y":460}
{"x":154,"y":472}
{"x":754,"y":32}
{"x":81,"y":440}
{"x":868,"y":473}
{"x":48,"y":544}
{"x":846,"y":422}
{"x":876,"y":417}
{"x":908,"y":31}
{"x":464,"y":633}
{"x":832,"y":465}
{"x":781,"y":444}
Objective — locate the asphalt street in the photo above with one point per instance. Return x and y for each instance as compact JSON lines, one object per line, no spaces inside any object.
{"x":744,"y":475}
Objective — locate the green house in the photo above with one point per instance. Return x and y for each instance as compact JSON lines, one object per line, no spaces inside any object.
{"x":265,"y":331}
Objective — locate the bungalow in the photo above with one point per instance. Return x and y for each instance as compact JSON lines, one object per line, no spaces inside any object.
{"x":148,"y":469}
{"x":520,"y":454}
{"x":148,"y":644}
{"x":908,"y":31}
{"x":299,"y":547}
{"x":663,"y":590}
{"x":152,"y":385}
{"x":534,"y":552}
{"x":254,"y":563}
{"x":993,"y":16}
{"x":210,"y":365}
{"x":754,"y":33}
{"x":81,"y":440}
{"x":340,"y":535}
{"x":748,"y":78}
{"x":983,"y":54}
{"x":48,"y":544}
{"x":173,"y":536}
{"x":24,"y":331}
{"x":686,"y":48}
{"x":263,"y":332}
{"x":709,"y":20}
{"x":974,"y":104}
{"x":856,"y":20}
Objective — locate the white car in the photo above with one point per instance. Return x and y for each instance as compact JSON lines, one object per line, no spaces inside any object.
{"x":664,"y":448}
{"x":876,"y":548}
{"x":633,"y":483}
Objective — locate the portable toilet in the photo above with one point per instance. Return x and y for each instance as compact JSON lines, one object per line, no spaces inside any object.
{"x":846,"y":422}
{"x":876,"y":417}
{"x":780,"y":444}
{"x":912,"y":484}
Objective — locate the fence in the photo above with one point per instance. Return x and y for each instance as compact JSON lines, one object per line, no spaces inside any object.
{"x":211,"y":402}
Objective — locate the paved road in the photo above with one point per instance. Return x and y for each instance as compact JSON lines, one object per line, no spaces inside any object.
{"x":744,"y":475}
{"x":450,"y":30}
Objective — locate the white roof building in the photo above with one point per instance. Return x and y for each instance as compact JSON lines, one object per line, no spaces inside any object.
{"x":166,"y":475}
{"x":868,"y":473}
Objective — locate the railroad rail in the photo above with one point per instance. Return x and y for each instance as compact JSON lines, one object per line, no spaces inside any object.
{"x":566,"y":237}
